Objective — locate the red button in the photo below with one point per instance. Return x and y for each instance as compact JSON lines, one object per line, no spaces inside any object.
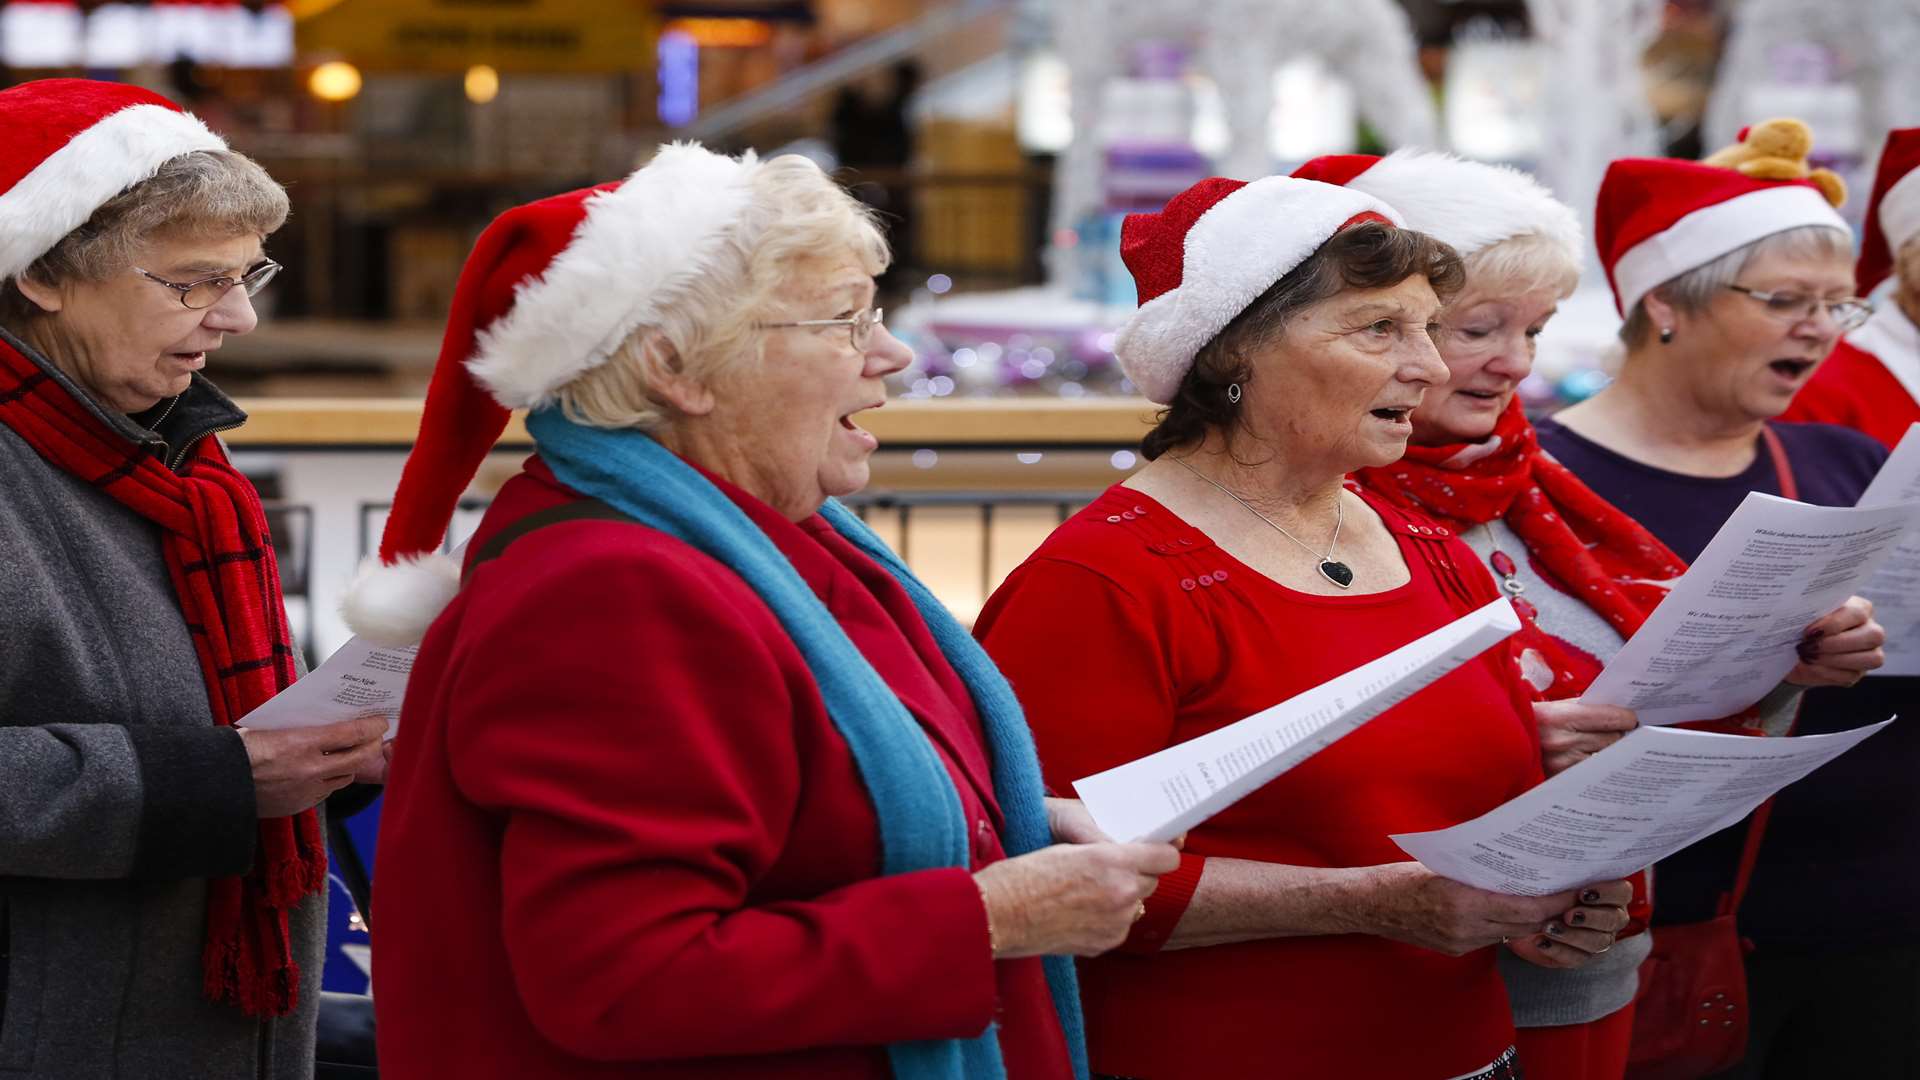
{"x":1187,"y":584}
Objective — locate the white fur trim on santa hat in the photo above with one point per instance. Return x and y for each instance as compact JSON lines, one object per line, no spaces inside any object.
{"x":393,"y":606}
{"x":1712,"y":231}
{"x":1900,"y":213}
{"x":1469,"y":204}
{"x":63,"y":191}
{"x":1233,"y":253}
{"x":663,"y":226}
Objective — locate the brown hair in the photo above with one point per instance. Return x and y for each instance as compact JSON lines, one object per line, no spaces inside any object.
{"x":1367,"y":256}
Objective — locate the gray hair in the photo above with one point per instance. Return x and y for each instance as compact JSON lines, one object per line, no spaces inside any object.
{"x":206,"y":192}
{"x":794,"y":213}
{"x":1693,"y":291}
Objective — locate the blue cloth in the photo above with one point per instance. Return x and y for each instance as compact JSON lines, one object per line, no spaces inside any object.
{"x":921,"y":825}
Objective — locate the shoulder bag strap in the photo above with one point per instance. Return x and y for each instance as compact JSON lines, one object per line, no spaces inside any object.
{"x":1757,"y":824}
{"x":1782,"y":468}
{"x":577,"y":510}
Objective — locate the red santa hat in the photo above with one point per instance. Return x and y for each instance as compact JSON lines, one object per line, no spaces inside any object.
{"x":1658,"y":218}
{"x":1213,"y":250}
{"x":1467,"y":204}
{"x":550,"y":292}
{"x":71,"y":146}
{"x":1893,"y":213}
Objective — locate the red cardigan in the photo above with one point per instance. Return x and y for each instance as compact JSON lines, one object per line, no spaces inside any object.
{"x":622,"y":837}
{"x":1129,"y":631}
{"x":1854,"y":389}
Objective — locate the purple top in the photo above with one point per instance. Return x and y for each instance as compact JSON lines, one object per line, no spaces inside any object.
{"x":1838,"y":864}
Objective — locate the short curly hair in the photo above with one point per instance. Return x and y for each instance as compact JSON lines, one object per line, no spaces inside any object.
{"x":1367,"y":256}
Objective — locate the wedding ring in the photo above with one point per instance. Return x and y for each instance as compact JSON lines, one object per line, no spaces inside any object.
{"x":1139,"y":910}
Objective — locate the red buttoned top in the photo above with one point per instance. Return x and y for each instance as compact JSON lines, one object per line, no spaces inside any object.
{"x":1129,"y":631}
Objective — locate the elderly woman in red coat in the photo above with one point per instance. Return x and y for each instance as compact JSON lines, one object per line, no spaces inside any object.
{"x":1285,"y":324}
{"x":694,"y":779}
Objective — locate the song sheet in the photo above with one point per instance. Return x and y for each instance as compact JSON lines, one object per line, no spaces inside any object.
{"x":1725,"y":635}
{"x":1895,"y":587}
{"x":360,"y":679}
{"x":1164,"y":794}
{"x":1647,"y":796}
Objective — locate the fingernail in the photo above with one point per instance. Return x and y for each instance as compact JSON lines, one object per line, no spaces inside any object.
{"x":1543,"y":944}
{"x":1555,"y":929}
{"x":1578,"y":918}
{"x":1814,"y":633}
{"x":1590,"y":896}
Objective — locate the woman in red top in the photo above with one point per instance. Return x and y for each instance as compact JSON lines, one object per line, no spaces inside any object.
{"x":694,"y":780}
{"x":1285,"y":321}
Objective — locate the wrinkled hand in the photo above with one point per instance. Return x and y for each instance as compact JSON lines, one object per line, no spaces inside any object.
{"x":1071,"y":824}
{"x":375,"y":771}
{"x":1840,"y":647}
{"x":1070,"y":899}
{"x":1571,"y":732}
{"x":1580,"y":933}
{"x":295,"y":769}
{"x":1408,"y":902}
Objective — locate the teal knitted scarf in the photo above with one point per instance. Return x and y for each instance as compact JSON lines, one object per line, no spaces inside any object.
{"x":921,"y":826}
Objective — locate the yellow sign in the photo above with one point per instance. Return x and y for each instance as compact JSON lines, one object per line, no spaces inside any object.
{"x":531,"y":36}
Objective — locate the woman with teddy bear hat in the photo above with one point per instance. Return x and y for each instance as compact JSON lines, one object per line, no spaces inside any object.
{"x":1735,"y":278}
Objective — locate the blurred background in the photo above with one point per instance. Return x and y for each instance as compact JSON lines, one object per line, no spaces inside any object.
{"x":1001,"y":140}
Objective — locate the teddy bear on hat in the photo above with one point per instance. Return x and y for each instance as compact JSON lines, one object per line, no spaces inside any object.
{"x":1777,"y":150}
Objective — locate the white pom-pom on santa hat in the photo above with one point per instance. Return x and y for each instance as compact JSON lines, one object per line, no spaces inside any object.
{"x":550,"y":291}
{"x":1212,"y":251}
{"x":71,"y":146}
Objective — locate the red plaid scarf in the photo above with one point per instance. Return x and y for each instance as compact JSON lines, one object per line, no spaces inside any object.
{"x":214,"y":540}
{"x":1573,"y":536}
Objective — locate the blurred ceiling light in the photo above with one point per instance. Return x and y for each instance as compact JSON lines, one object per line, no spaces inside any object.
{"x":724,"y":33}
{"x":335,"y":80}
{"x":483,"y":84}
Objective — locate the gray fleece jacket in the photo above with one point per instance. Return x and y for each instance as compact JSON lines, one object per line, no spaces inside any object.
{"x":119,"y":797}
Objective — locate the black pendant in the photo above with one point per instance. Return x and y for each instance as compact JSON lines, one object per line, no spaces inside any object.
{"x":1337,"y":572}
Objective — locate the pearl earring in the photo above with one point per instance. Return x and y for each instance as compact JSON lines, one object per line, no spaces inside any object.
{"x":1666,"y":335}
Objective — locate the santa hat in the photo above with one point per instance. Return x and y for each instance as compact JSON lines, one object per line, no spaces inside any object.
{"x":71,"y":146}
{"x":1213,"y":250}
{"x":1658,"y":218}
{"x":1468,"y":205}
{"x":1893,"y":213}
{"x":550,"y":292}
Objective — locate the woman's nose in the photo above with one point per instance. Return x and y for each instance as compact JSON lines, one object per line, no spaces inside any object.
{"x":886,"y":354}
{"x":232,"y":313}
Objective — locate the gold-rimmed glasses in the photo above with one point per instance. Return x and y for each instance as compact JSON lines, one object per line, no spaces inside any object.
{"x":203,"y":293}
{"x":859,"y":327}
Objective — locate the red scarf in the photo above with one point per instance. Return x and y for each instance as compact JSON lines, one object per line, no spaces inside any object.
{"x":214,"y":540}
{"x":1573,"y":536}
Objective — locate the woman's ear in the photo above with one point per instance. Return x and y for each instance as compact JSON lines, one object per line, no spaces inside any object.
{"x":45,"y":297}
{"x":667,"y":379}
{"x":1662,"y":315}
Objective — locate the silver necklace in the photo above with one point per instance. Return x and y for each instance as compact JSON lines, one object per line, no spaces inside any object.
{"x":1330,"y":568}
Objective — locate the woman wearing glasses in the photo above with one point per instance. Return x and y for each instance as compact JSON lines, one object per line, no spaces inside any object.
{"x":162,"y":905}
{"x":1734,"y":289}
{"x":694,"y":779}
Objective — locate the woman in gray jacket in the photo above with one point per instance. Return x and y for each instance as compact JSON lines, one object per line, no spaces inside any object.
{"x":162,"y":873}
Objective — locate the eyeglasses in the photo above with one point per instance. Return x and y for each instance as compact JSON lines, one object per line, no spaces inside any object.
{"x":859,"y":327}
{"x":206,"y":292}
{"x":1847,"y":314}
